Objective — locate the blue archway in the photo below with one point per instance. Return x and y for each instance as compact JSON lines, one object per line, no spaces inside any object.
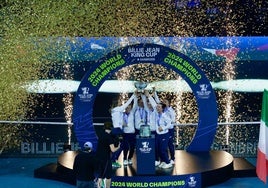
{"x":155,"y":54}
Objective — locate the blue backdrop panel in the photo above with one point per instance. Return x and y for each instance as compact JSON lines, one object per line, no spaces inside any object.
{"x":191,"y":180}
{"x":155,"y":54}
{"x":145,"y":153}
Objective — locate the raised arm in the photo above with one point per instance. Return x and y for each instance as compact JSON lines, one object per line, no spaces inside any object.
{"x":156,"y":98}
{"x":135,"y":101}
{"x":125,"y":105}
{"x":151,"y":100}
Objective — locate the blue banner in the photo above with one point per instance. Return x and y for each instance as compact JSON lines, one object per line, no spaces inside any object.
{"x":155,"y":54}
{"x":192,"y":180}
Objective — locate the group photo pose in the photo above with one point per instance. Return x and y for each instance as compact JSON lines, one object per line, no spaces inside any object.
{"x":142,"y":109}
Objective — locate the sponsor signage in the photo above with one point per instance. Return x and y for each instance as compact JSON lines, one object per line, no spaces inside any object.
{"x":147,"y":53}
{"x":191,"y":180}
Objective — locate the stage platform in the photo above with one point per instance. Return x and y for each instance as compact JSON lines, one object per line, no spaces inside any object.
{"x":214,"y":167}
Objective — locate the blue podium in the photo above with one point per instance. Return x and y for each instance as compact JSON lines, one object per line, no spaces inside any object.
{"x":145,"y":153}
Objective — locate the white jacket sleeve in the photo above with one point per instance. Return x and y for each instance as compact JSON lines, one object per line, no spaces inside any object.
{"x":156,"y":98}
{"x":124,"y":106}
{"x":152,"y":101}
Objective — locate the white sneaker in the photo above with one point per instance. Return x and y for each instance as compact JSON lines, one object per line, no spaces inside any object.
{"x":125,"y":162}
{"x":172,"y":162}
{"x":129,"y":162}
{"x":161,"y":164}
{"x":157,"y":163}
{"x":169,"y":165}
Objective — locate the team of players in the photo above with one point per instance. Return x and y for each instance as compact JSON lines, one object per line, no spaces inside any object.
{"x":143,"y":108}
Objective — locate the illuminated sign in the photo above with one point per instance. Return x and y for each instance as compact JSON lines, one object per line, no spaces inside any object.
{"x":147,"y":53}
{"x":191,"y":180}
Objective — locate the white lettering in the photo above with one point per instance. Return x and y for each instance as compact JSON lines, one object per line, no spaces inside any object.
{"x":25,"y":148}
{"x":45,"y":148}
{"x":59,"y":147}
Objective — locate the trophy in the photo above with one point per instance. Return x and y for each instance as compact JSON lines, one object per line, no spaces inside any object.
{"x":145,"y":131}
{"x":140,"y":86}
